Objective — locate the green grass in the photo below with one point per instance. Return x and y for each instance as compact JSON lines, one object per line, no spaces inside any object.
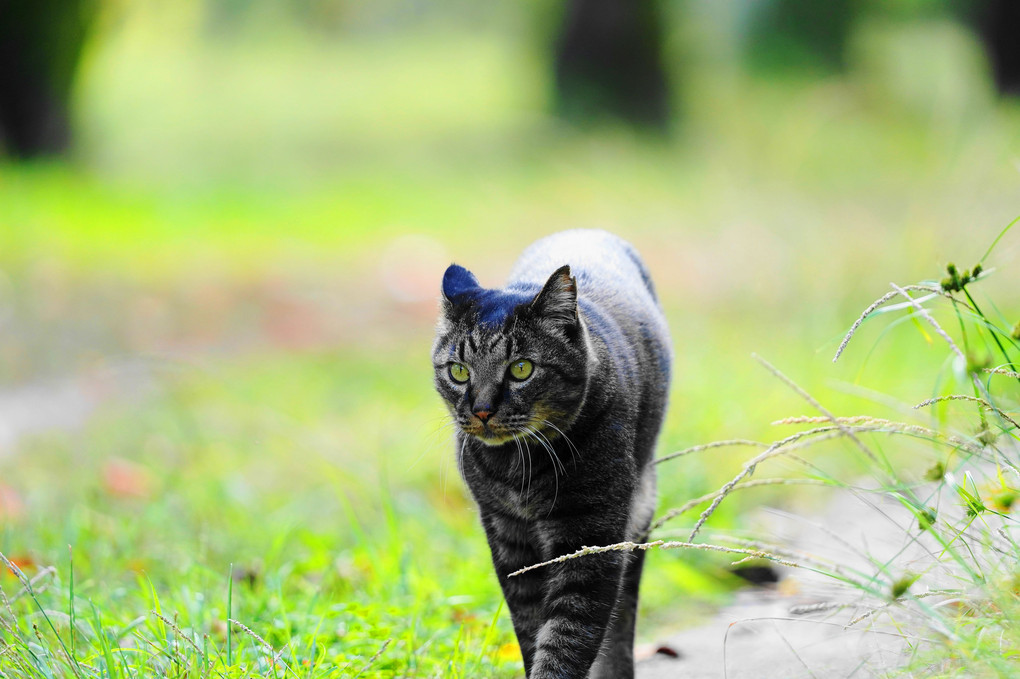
{"x":326,"y":546}
{"x":234,"y":216}
{"x":325,"y":484}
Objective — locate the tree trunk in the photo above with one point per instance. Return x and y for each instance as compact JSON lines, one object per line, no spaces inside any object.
{"x":609,"y":63}
{"x":40,"y":46}
{"x":800,"y":35}
{"x":998,"y":23}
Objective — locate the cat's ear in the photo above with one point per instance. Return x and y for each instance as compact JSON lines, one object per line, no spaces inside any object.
{"x":558,"y":300}
{"x":456,"y":281}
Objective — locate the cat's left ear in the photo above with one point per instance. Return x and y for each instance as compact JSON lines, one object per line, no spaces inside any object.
{"x":456,"y":281}
{"x":558,"y":300}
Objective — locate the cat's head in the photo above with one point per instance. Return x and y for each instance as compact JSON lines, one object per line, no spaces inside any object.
{"x":511,"y":363}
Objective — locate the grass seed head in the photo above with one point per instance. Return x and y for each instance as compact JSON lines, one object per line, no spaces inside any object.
{"x":951,"y":283}
{"x":958,"y":280}
{"x":902,"y":584}
{"x":986,"y":436}
{"x":974,"y":506}
{"x":976,"y":363}
{"x":935,"y":472}
{"x":1004,"y":499}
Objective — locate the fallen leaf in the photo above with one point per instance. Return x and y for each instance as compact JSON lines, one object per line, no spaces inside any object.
{"x":11,"y":506}
{"x":126,"y":479}
{"x":23,"y":561}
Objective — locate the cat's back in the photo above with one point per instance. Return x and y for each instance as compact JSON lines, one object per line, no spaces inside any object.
{"x":609,"y":271}
{"x":602,"y":259}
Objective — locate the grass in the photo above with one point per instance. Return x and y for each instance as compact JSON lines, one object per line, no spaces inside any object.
{"x":294,"y":493}
{"x":281,"y":461}
{"x":281,"y":498}
{"x":322,"y":571}
{"x":340,"y":531}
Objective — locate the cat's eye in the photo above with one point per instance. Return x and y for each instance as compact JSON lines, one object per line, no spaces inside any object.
{"x":521,"y":370}
{"x":459,"y":373}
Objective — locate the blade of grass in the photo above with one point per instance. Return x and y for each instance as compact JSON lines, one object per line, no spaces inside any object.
{"x":72,"y":661}
{"x":487,"y":639}
{"x":230,"y":614}
{"x":998,"y":238}
{"x":70,"y":598}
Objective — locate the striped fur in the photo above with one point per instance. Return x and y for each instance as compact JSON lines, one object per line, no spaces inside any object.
{"x":561,"y":459}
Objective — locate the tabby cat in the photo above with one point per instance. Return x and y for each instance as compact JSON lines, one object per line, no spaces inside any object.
{"x":558,"y":384}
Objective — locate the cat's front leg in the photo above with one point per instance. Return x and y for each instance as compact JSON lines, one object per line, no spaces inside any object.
{"x":523,"y":596}
{"x":524,"y":593}
{"x":581,"y":595}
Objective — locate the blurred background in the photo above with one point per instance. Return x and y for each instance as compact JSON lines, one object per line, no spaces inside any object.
{"x":223,"y":224}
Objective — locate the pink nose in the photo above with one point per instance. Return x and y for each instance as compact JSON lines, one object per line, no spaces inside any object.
{"x":482,"y":415}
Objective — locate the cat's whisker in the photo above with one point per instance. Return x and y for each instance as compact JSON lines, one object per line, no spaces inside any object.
{"x":521,"y":444}
{"x":552,"y":451}
{"x":513,"y":465}
{"x":460,"y":456}
{"x":552,"y":455}
{"x":446,"y":425}
{"x":535,"y":434}
{"x":566,"y":439}
{"x":520,"y":455}
{"x":531,"y":468}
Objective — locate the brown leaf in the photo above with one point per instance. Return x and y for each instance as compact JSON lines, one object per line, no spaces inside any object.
{"x":126,"y":479}
{"x":11,"y":506}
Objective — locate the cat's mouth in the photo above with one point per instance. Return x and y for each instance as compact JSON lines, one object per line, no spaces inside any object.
{"x":490,"y":433}
{"x":536,"y":427}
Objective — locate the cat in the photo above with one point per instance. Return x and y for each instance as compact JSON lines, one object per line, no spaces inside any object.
{"x":558,"y":386}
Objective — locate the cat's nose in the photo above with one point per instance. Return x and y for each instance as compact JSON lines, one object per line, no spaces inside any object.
{"x":483,"y":415}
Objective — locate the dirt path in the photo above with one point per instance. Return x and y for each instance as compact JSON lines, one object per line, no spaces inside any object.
{"x":66,"y":404}
{"x":806,"y":626}
{"x":758,"y":638}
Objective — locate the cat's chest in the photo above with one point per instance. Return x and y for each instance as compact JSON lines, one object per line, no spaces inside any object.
{"x":520,"y":488}
{"x":524,"y":504}
{"x":517,"y":498}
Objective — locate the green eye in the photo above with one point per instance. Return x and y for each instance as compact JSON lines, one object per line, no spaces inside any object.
{"x":459,"y":373}
{"x":521,"y":370}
